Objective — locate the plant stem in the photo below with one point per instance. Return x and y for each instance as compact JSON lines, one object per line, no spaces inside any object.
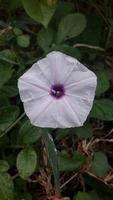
{"x":12,"y":125}
{"x":89,"y":46}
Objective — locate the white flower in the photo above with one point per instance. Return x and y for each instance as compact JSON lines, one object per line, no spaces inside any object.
{"x":57,"y":91}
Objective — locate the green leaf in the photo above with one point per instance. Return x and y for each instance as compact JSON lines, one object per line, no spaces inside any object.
{"x":29,"y":134}
{"x":85,"y":131}
{"x":23,"y":196}
{"x":15,"y":4}
{"x":26,"y":162}
{"x":8,"y":115}
{"x":7,"y":53}
{"x":4,"y":141}
{"x":102,"y":109}
{"x":71,"y":26}
{"x":5,"y":74}
{"x":4,"y":166}
{"x":83,"y":196}
{"x":70,"y":163}
{"x":6,"y":187}
{"x":4,"y":101}
{"x":45,"y":38}
{"x":97,"y":185}
{"x":92,"y":33}
{"x":23,"y":41}
{"x":17,"y":31}
{"x":94,"y":195}
{"x":8,"y":56}
{"x":100,"y":164}
{"x":63,"y":9}
{"x":102,"y":83}
{"x":9,"y":90}
{"x":108,"y":197}
{"x":53,"y":159}
{"x":61,"y":133}
{"x":41,"y":11}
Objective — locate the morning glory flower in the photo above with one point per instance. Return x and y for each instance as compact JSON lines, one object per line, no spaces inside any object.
{"x":57,"y":91}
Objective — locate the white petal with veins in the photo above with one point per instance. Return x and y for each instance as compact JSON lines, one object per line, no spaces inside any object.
{"x":56,"y":67}
{"x":57,"y":91}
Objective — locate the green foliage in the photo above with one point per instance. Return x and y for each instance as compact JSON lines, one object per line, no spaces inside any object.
{"x":98,"y":186}
{"x":45,"y":38}
{"x":92,"y":32}
{"x":64,"y":8}
{"x":17,"y":31}
{"x":102,"y":83}
{"x":15,"y":4}
{"x":102,"y":109}
{"x":23,"y":41}
{"x":83,"y":30}
{"x":71,"y":26}
{"x":28,"y":134}
{"x":4,"y":166}
{"x":53,"y":158}
{"x":10,"y":89}
{"x":61,"y":133}
{"x":8,"y":56}
{"x":41,"y":11}
{"x":8,"y":115}
{"x":4,"y":101}
{"x":5,"y":74}
{"x":26,"y":162}
{"x":100,"y":164}
{"x":6,"y":187}
{"x":70,"y":163}
{"x":85,"y":131}
{"x":83,"y":196}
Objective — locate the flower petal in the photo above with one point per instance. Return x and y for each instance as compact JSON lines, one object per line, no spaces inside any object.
{"x":47,"y":112}
{"x":80,"y":107}
{"x":79,"y":73}
{"x":72,"y":109}
{"x":39,"y":111}
{"x":29,"y":92}
{"x":84,"y":88}
{"x":58,"y":114}
{"x":35,"y":77}
{"x":56,"y":67}
{"x":66,"y":117}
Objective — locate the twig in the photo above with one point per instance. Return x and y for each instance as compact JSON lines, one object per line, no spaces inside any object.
{"x":99,"y":11}
{"x":12,"y":125}
{"x":89,"y":46}
{"x":5,"y":30}
{"x":82,"y":183}
{"x":103,"y":140}
{"x":109,"y":64}
{"x":111,"y":131}
{"x":110,"y":32}
{"x":15,"y":176}
{"x":70,"y":179}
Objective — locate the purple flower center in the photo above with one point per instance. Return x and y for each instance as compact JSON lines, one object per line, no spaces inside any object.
{"x":57,"y":91}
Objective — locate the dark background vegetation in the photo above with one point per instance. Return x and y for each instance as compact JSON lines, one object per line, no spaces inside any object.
{"x":85,"y":155}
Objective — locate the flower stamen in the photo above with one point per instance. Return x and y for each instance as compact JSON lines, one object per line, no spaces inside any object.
{"x":57,"y":91}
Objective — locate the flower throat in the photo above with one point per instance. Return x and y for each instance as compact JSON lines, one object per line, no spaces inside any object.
{"x":57,"y":91}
